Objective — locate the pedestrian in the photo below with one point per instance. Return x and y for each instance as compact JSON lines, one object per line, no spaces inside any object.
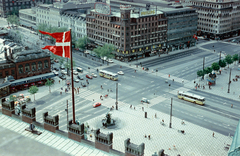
{"x":149,"y":136}
{"x":134,"y":108}
{"x":78,"y":90}
{"x":203,"y":87}
{"x":100,"y":96}
{"x":145,"y":136}
{"x":173,"y":80}
{"x":142,"y":108}
{"x":155,"y":115}
{"x":92,"y":99}
{"x":59,"y":81}
{"x":231,"y":105}
{"x":169,"y":75}
{"x":182,"y":81}
{"x":162,"y":120}
{"x":213,"y":134}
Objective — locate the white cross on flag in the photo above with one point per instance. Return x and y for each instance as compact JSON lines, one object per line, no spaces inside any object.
{"x":62,"y":47}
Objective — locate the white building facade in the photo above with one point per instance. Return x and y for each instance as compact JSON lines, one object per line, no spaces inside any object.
{"x":218,"y":18}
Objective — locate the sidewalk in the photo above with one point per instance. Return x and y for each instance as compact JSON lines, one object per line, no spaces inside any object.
{"x":130,"y":123}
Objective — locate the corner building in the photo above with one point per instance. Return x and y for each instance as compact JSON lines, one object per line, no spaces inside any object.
{"x":136,"y":33}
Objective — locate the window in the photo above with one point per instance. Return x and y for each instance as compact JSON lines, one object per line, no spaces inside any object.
{"x":39,"y":65}
{"x":6,"y":73}
{"x":20,"y":69}
{"x":27,"y":68}
{"x":34,"y":67}
{"x":12,"y":72}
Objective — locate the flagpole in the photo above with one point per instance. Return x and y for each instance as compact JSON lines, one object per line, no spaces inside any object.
{"x":73,"y":101}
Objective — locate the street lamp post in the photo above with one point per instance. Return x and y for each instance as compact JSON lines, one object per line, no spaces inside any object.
{"x":116,"y":96}
{"x":203,"y":68}
{"x":229,"y":81}
{"x":170,"y":125}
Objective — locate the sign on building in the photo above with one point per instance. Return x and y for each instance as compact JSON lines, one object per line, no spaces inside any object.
{"x":145,"y":12}
{"x":102,"y":8}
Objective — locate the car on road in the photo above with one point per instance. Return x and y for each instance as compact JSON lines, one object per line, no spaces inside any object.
{"x":146,"y":68}
{"x":80,"y":77}
{"x":145,"y":100}
{"x":75,"y":72}
{"x":56,"y":73}
{"x":234,"y":41}
{"x":62,"y":67}
{"x":83,"y":84}
{"x":97,"y":104}
{"x":110,"y":61}
{"x":88,"y":76}
{"x":76,"y":80}
{"x":62,"y":77}
{"x":120,"y":73}
{"x":94,"y":75}
{"x":56,"y":69}
{"x":63,"y":72}
{"x":56,"y":61}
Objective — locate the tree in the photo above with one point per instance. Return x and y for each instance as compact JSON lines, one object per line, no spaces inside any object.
{"x":200,"y":73}
{"x":13,"y":98}
{"x":49,"y":83}
{"x":68,"y":65}
{"x":33,"y":90}
{"x":215,"y":66}
{"x":235,"y":57}
{"x":82,"y":43}
{"x":42,"y":27}
{"x":228,"y":59}
{"x":105,"y":51}
{"x":207,"y":70}
{"x":222,"y":63}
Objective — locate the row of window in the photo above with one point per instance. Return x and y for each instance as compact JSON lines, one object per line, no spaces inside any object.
{"x":33,"y":66}
{"x":7,"y":73}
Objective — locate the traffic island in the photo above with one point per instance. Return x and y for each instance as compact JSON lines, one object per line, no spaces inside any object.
{"x":75,"y":131}
{"x":50,"y":123}
{"x":28,"y":114}
{"x":133,"y":149}
{"x":103,"y":141}
{"x":7,"y":107}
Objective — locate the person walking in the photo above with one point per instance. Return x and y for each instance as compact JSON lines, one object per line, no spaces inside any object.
{"x":231,"y":105}
{"x":59,"y":81}
{"x":213,"y":134}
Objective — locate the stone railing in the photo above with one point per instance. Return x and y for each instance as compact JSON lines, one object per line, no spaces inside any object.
{"x":9,"y":105}
{"x":79,"y":129}
{"x":133,"y":148}
{"x":30,"y":112}
{"x":103,"y":138}
{"x":50,"y":120}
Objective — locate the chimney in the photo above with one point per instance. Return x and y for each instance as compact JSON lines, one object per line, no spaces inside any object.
{"x":5,"y":53}
{"x":10,"y":53}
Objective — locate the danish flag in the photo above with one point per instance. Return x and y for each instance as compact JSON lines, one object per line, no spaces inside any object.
{"x":62,"y":47}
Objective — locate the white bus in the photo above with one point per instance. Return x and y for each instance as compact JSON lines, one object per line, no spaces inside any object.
{"x":108,"y":75}
{"x":191,"y":97}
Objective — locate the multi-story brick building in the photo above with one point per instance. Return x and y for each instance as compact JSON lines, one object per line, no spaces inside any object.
{"x":135,"y":33}
{"x":218,"y":18}
{"x":8,"y":6}
{"x":21,"y":63}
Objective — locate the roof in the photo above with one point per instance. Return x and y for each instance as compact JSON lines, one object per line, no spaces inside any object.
{"x":235,"y":146}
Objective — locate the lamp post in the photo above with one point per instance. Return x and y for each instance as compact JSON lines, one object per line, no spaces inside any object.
{"x":229,"y":80}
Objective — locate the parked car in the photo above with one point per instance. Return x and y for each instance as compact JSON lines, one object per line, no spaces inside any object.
{"x":145,"y":100}
{"x":94,"y":75}
{"x":120,"y":73}
{"x":80,"y":77}
{"x":75,"y":72}
{"x":83,"y":84}
{"x":62,"y":77}
{"x":89,"y":76}
{"x":234,"y":41}
{"x":56,"y":69}
{"x":63,"y":72}
{"x":56,"y":73}
{"x":110,"y":61}
{"x":62,"y":67}
{"x":76,"y":80}
{"x":97,"y":104}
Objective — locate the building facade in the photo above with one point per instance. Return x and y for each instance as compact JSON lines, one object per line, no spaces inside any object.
{"x":22,"y":63}
{"x":13,"y":6}
{"x":182,"y":25}
{"x":136,"y":33}
{"x":218,"y":18}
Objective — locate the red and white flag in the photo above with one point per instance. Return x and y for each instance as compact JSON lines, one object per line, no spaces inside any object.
{"x":62,"y":47}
